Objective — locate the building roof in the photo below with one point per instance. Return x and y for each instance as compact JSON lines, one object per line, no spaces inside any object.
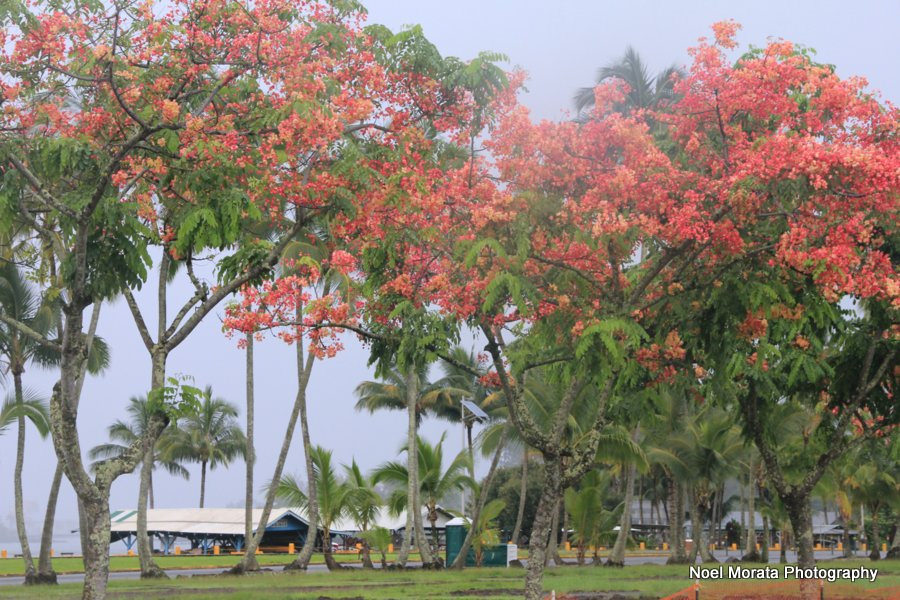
{"x":230,"y":521}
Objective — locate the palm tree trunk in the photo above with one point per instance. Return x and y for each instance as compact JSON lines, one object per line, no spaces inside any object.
{"x":152,"y":502}
{"x":422,"y":542}
{"x":617,"y":555}
{"x":250,"y":456}
{"x":411,"y":464}
{"x":202,"y":481}
{"x":46,"y":574}
{"x":326,"y":549}
{"x":312,"y":504}
{"x":523,"y":491}
{"x":460,"y":559}
{"x":750,"y":552}
{"x":17,"y":479}
{"x":764,"y":552}
{"x":677,"y":554}
{"x":875,"y":540}
{"x":366,"y":553}
{"x":248,"y":560}
{"x":149,"y":568}
{"x":845,"y":534}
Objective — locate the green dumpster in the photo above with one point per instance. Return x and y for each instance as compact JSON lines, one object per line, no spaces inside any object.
{"x":492,"y":556}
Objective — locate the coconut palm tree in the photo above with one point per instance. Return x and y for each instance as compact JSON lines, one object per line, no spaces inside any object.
{"x":21,"y":303}
{"x":363,"y":504}
{"x":435,"y":482}
{"x":485,"y":529}
{"x":644,"y":90}
{"x":209,"y":435}
{"x":123,"y":434}
{"x":703,"y":454}
{"x":32,"y":407}
{"x":334,"y":498}
{"x":437,"y":399}
{"x":591,"y":521}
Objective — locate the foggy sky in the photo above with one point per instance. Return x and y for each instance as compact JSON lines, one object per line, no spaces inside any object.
{"x":560,"y":44}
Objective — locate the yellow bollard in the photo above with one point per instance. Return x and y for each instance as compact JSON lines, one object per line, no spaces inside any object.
{"x":51,"y":552}
{"x":865,"y":547}
{"x":818,"y":546}
{"x":840,"y":546}
{"x":390,"y":547}
{"x":291,"y":548}
{"x":777,"y":546}
{"x":757,"y":547}
{"x":884,"y":547}
{"x":643,"y":546}
{"x":131,"y":553}
{"x":177,"y":550}
{"x":258,"y":551}
{"x":568,"y":546}
{"x":2,"y":553}
{"x":665,"y":546}
{"x":215,"y":550}
{"x":734,"y":546}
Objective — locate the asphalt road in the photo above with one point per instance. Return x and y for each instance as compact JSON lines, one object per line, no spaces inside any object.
{"x":629,"y":560}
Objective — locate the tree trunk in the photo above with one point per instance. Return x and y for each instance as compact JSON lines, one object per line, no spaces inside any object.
{"x":751,"y":554}
{"x":460,"y":559}
{"x":782,"y":553}
{"x":411,"y":463}
{"x":617,"y":555}
{"x":30,"y":575}
{"x":800,"y":514}
{"x":248,"y":561}
{"x":552,"y":542}
{"x":46,"y":574}
{"x":540,"y":530}
{"x":149,"y":568}
{"x":366,"y":555}
{"x":845,"y":534}
{"x":312,"y":504}
{"x":875,"y":539}
{"x":250,"y":457}
{"x":701,"y":541}
{"x":96,"y":553}
{"x":764,"y":552}
{"x":523,"y":492}
{"x":326,"y":550}
{"x":893,"y":552}
{"x":202,"y":482}
{"x":677,"y":554}
{"x":640,"y":494}
{"x":419,"y":530}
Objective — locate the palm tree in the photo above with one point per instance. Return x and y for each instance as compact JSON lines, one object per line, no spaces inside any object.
{"x":438,"y":399}
{"x":435,"y":482}
{"x":334,"y":498}
{"x":363,"y":505}
{"x":32,"y":407}
{"x":485,"y":529}
{"x":123,"y":434}
{"x":703,"y":455}
{"x":592,"y":523}
{"x":209,"y":435}
{"x":20,"y":303}
{"x":644,"y":91}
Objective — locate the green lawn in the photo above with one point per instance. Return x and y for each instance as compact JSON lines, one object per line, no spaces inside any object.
{"x":652,"y":581}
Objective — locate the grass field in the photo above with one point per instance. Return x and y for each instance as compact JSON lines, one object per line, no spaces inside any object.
{"x":648,"y":581}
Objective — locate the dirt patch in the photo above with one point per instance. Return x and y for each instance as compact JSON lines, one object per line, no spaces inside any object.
{"x":487,"y":592}
{"x":618,"y":595}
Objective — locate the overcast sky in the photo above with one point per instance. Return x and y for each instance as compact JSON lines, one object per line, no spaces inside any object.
{"x":560,"y":44}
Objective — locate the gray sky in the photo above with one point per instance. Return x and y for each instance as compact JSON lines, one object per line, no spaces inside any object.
{"x":560,"y":44}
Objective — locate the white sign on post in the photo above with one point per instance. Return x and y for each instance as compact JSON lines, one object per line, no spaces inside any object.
{"x":512,"y":553}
